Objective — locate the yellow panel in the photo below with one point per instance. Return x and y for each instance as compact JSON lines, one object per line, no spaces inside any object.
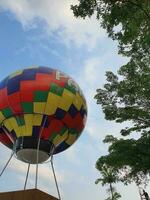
{"x":28,"y":130}
{"x":37,"y":120}
{"x":28,"y":118}
{"x":54,"y":101}
{"x":16,"y":73}
{"x":59,"y":139}
{"x":8,"y":125}
{"x":71,"y":139}
{"x":51,"y":105}
{"x":50,"y":110}
{"x":13,"y":122}
{"x":1,"y":117}
{"x":64,"y":105}
{"x":18,"y":131}
{"x":68,"y":96}
{"x":39,"y":107}
{"x":67,"y":100}
{"x":78,"y":101}
{"x":22,"y":130}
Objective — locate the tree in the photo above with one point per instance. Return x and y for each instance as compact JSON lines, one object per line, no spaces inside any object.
{"x":129,"y":159}
{"x":127,"y":98}
{"x":108,"y":176}
{"x":126,"y":95}
{"x":127,"y":21}
{"x":129,"y":156}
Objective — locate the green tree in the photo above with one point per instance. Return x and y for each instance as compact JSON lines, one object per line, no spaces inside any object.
{"x":127,"y":97}
{"x":127,"y":21}
{"x":108,"y":176}
{"x":129,"y":159}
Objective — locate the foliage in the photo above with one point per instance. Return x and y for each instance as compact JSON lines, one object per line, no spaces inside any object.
{"x":116,"y":196}
{"x":108,"y":176}
{"x":128,"y":99}
{"x":126,"y":95}
{"x":129,"y":158}
{"x":127,"y":21}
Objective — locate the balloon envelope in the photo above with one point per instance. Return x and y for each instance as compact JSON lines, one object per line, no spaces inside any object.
{"x":40,"y":102}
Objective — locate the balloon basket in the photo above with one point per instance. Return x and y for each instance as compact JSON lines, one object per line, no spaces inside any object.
{"x":30,"y":194}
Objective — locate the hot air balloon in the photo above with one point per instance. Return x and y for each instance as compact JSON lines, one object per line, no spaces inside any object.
{"x":40,"y":108}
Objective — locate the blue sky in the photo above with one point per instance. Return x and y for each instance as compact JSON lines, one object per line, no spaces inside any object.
{"x":34,"y":32}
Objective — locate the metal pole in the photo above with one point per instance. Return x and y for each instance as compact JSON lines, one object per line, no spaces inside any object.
{"x":38,"y":147}
{"x":6,"y":164}
{"x":27,"y":176}
{"x":55,"y":177}
{"x":36,"y":178}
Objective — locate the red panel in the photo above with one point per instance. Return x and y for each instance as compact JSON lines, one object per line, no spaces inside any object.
{"x":4,"y":139}
{"x":43,"y":77}
{"x":78,"y":122}
{"x":28,"y":85}
{"x":3,"y":98}
{"x":26,"y":89}
{"x":55,"y":126}
{"x":45,"y":134}
{"x":26,"y":96}
{"x":68,"y":120}
{"x":16,"y":108}
{"x":47,"y":79}
{"x":14,"y":98}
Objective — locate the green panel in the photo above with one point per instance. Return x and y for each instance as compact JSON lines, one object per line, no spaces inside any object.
{"x":51,"y":138}
{"x":70,"y":88}
{"x":7,"y":112}
{"x":73,"y":131}
{"x":27,"y":107}
{"x":63,"y":130}
{"x":20,"y":121}
{"x":56,"y":89}
{"x":40,"y":96}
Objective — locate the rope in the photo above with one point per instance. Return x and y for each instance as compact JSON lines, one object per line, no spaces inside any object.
{"x":56,"y":183}
{"x":27,"y":176}
{"x":7,"y":164}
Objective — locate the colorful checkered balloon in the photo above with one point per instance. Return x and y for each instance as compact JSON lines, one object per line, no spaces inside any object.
{"x":41,"y":102}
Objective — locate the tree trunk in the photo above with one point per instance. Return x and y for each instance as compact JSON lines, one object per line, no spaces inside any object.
{"x":111,"y":190}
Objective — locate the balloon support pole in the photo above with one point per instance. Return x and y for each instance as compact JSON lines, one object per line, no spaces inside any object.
{"x":29,"y":194}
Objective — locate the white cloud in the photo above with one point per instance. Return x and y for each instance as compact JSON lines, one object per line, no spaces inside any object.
{"x":56,"y":16}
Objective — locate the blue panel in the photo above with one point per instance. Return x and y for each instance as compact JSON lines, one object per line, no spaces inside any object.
{"x":13,"y":84}
{"x":63,"y":146}
{"x":45,"y":70}
{"x":1,"y":131}
{"x":72,"y":111}
{"x":59,"y":114}
{"x":29,"y":74}
{"x":13,"y":134}
{"x":3,"y":83}
{"x":36,"y":131}
{"x":83,"y":111}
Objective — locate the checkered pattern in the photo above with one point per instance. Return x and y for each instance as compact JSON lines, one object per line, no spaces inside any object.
{"x":34,"y":99}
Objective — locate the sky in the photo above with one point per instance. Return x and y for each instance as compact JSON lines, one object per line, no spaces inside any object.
{"x":45,"y":33}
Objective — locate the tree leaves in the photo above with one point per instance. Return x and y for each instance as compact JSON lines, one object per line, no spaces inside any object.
{"x":125,"y":95}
